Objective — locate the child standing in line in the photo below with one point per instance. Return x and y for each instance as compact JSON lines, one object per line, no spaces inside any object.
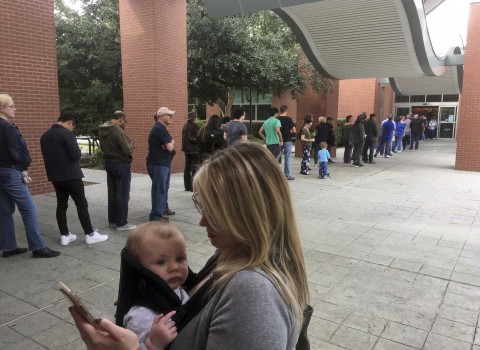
{"x":323,"y":157}
{"x":160,"y":248}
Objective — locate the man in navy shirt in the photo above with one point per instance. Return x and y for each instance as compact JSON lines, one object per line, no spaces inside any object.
{"x":159,"y":160}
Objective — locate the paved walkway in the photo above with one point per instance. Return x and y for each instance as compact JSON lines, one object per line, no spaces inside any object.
{"x":393,"y":255}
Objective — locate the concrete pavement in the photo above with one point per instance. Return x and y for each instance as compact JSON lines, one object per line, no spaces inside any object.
{"x":392,"y":250}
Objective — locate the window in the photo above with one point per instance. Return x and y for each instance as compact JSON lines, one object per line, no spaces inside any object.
{"x":400,"y":98}
{"x":450,"y":98}
{"x":434,"y":98}
{"x":417,"y":98}
{"x":261,"y":103}
{"x":402,"y":111}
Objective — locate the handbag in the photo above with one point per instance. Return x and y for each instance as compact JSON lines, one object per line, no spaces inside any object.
{"x":303,"y":342}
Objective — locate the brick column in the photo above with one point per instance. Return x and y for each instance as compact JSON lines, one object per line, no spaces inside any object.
{"x":468,"y":129}
{"x":28,"y":72}
{"x":154,"y":69}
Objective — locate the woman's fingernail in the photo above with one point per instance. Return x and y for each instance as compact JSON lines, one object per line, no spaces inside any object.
{"x":98,"y":320}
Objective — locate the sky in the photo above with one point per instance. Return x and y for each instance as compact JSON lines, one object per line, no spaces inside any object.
{"x":445,"y":23}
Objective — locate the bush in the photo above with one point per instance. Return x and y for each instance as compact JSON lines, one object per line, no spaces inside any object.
{"x":256,"y":125}
{"x":339,"y":132}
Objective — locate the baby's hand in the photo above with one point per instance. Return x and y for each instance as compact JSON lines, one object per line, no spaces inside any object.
{"x":163,"y":331}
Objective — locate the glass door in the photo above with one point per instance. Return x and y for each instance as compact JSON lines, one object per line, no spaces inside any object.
{"x":447,"y":122}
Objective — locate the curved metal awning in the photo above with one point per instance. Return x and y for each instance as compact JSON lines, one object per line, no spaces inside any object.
{"x":354,"y":39}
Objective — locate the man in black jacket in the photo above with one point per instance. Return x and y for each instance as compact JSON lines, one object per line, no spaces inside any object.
{"x":371,"y":131}
{"x":62,"y":154}
{"x":358,"y":138}
{"x":416,"y":131}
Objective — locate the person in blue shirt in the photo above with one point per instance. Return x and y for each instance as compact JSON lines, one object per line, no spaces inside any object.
{"x":323,"y":157}
{"x":399,"y":133}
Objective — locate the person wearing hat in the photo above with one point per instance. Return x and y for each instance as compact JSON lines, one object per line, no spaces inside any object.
{"x":117,"y":152}
{"x":159,"y":161}
{"x":191,"y":148}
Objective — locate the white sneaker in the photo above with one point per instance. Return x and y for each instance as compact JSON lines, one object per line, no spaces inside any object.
{"x":126,"y":227}
{"x":65,"y":240}
{"x":95,"y":237}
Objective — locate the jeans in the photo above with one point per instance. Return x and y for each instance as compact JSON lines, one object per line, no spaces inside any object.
{"x":357,"y":151}
{"x":406,"y":141}
{"x":305,"y":165}
{"x":119,"y":176}
{"x":160,"y":175}
{"x":384,"y":146}
{"x":14,"y":191}
{"x":76,"y":190}
{"x":414,"y":139}
{"x":275,"y":150}
{"x":287,"y":150}
{"x":368,"y":150}
{"x":398,"y":143}
{"x":192,"y":161}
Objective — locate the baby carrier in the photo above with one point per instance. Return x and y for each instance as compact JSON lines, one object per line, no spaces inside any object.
{"x":139,"y":286}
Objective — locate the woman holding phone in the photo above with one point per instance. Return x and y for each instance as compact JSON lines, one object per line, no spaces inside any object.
{"x":259,"y":288}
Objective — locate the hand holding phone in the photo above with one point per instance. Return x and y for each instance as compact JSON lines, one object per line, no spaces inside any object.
{"x":76,"y":302}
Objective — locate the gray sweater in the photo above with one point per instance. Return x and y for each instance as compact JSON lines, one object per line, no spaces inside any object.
{"x":247,"y":313}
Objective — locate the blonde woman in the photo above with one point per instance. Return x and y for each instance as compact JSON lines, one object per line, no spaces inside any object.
{"x":259,"y":286}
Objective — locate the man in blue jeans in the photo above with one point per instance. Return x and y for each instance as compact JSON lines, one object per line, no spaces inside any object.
{"x":159,"y":160}
{"x":117,"y":151}
{"x":14,"y":161}
{"x":286,"y":129}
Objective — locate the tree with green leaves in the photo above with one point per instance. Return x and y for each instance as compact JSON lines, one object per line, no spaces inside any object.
{"x":89,"y":61}
{"x":254,"y":51}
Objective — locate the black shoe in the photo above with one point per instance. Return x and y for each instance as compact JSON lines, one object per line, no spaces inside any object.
{"x":331,"y":161}
{"x":45,"y":253}
{"x":168,"y":212}
{"x":372,"y":162}
{"x":360,"y":164}
{"x":16,"y":251}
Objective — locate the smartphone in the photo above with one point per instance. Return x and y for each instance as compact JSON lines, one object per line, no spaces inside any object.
{"x":76,"y":302}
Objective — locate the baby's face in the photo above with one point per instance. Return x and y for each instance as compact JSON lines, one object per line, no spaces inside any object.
{"x":166,"y":258}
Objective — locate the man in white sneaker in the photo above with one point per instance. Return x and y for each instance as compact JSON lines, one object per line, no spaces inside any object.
{"x":117,"y":151}
{"x":62,"y":154}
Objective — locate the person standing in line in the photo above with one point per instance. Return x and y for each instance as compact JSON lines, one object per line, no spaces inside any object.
{"x":14,"y":162}
{"x":159,"y":161}
{"x":270,"y":132}
{"x":287,"y":128}
{"x":347,"y":139}
{"x":62,"y":155}
{"x":236,"y":131}
{"x":321,"y":135}
{"x":211,"y":137}
{"x":415,"y":131}
{"x":399,"y":133}
{"x":432,"y":128}
{"x":358,"y":138}
{"x":331,"y":137}
{"x":306,"y":140}
{"x":371,"y":131}
{"x":191,"y":148}
{"x":117,"y":151}
{"x":406,"y":138}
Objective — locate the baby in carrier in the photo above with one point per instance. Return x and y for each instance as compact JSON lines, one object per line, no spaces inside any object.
{"x":153,"y":270}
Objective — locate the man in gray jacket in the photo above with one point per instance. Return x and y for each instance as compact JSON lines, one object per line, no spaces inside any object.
{"x":117,"y":152}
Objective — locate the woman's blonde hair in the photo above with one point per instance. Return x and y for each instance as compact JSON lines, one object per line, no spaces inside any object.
{"x":155,"y":228}
{"x":245,"y":195}
{"x":322,"y":120}
{"x":5,"y":100}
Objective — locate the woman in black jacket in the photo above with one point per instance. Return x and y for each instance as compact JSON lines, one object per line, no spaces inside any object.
{"x":211,"y":137}
{"x":321,"y":135}
{"x":191,"y":148}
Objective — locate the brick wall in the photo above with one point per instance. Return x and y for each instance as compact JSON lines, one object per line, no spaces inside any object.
{"x":356,"y":96}
{"x":28,"y":72}
{"x":154,"y":65}
{"x":468,"y":128}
